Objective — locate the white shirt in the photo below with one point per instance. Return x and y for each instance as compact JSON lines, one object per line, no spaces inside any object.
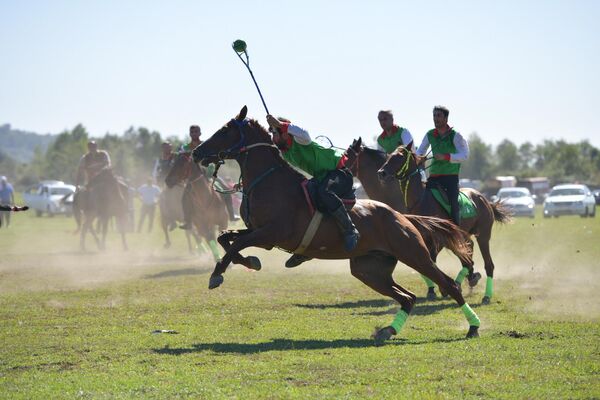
{"x":149,"y":194}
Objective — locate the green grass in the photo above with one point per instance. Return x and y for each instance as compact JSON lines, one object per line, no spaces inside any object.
{"x":79,"y":325}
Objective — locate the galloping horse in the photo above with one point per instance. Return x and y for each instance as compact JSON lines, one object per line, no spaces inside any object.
{"x":364,"y":163}
{"x":103,"y":198}
{"x":210,"y":212}
{"x":402,"y":165}
{"x":171,"y":212}
{"x":277,"y":214}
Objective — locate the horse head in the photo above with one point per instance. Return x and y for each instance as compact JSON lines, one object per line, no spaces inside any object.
{"x":353,"y":153}
{"x":401,"y":164}
{"x":180,"y":170}
{"x":234,"y":138}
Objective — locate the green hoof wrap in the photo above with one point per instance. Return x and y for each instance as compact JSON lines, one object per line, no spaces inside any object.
{"x":471,"y":316}
{"x":428,"y":281}
{"x":461,"y":275}
{"x":399,"y":321}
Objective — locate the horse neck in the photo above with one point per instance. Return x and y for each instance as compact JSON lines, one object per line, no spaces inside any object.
{"x":415,"y":191}
{"x":260,"y":163}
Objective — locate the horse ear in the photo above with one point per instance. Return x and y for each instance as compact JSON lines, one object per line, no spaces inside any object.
{"x":242,"y":115}
{"x":359,"y":142}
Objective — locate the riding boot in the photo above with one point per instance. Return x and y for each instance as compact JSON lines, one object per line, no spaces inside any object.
{"x":187,"y":206}
{"x":455,"y":214}
{"x":349,"y":231}
{"x":229,"y":204}
{"x":295,"y":260}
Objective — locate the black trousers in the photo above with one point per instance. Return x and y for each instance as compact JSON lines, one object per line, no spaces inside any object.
{"x":336,"y":185}
{"x":449,"y":183}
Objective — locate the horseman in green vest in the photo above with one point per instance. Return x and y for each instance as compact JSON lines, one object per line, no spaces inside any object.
{"x":186,"y":200}
{"x":449,"y":150}
{"x":327,"y":167}
{"x":392,"y":135}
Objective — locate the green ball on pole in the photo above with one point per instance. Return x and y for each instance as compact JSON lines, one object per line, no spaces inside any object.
{"x":239,"y":46}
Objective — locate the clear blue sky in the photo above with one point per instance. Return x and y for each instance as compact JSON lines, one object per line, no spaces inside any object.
{"x":522,"y":70}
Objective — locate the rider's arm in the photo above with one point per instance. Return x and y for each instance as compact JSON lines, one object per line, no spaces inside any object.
{"x":422,"y":150}
{"x":407,"y":139}
{"x":462,"y":149}
{"x":300,"y":135}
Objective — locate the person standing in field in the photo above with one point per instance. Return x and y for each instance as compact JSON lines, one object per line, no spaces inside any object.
{"x":149,"y":193}
{"x":7,"y":198}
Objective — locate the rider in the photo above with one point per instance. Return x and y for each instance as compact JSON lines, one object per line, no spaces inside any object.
{"x":186,"y":200}
{"x":392,"y":135}
{"x":326,"y":166}
{"x":449,"y":149}
{"x":163,"y":163}
{"x":92,"y":163}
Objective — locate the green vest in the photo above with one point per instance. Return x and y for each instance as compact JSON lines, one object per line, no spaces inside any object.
{"x":390,"y":143}
{"x":442,"y":146}
{"x":313,"y":159}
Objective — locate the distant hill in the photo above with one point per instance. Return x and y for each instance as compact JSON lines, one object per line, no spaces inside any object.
{"x":19,"y":145}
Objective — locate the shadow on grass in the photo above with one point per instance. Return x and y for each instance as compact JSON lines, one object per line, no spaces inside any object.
{"x":178,"y":272}
{"x":350,"y":304}
{"x":421,"y":308}
{"x":290,"y":344}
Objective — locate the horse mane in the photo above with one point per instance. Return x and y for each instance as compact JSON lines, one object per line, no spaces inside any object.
{"x":264,"y":135}
{"x":375,"y":152}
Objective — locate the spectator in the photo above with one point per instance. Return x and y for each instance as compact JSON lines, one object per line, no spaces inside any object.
{"x":149,"y":194}
{"x":7,"y":197}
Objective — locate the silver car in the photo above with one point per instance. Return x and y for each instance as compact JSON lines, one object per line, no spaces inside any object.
{"x":571,"y":199}
{"x":518,"y":199}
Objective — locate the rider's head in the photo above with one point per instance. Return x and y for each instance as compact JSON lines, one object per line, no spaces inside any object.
{"x":440,"y":116}
{"x":386,"y":119}
{"x":92,"y":146}
{"x":166,"y":148}
{"x":195,"y":133}
{"x":280,"y":138}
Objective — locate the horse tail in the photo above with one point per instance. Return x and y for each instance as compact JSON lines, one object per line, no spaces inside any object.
{"x":438,"y":233}
{"x":501,"y":213}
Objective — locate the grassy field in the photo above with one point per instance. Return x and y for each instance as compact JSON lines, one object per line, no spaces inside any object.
{"x":76,"y":325}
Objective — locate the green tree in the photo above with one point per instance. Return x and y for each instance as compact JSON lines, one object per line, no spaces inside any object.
{"x":479,"y":163}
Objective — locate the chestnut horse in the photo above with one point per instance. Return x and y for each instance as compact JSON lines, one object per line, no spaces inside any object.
{"x":209,"y":208}
{"x":277,"y":215}
{"x":402,"y":165}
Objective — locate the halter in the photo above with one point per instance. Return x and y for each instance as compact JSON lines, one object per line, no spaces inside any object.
{"x":404,"y":176}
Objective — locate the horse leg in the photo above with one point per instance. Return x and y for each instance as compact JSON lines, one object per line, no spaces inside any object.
{"x":225,"y":240}
{"x":467,"y":269}
{"x":121,"y":221}
{"x":163,"y":225}
{"x":484,"y":246}
{"x":431,"y":295}
{"x":254,"y":238}
{"x":375,"y":271}
{"x":104,"y":227}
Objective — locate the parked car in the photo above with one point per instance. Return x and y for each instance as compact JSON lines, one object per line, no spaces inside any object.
{"x":571,"y":199}
{"x":597,"y":196}
{"x":51,"y":197}
{"x":518,"y":199}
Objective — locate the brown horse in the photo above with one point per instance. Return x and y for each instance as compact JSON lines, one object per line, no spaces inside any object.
{"x":171,"y":212}
{"x":210,"y":212}
{"x":364,"y":163}
{"x":275,"y":210}
{"x":104,"y":197}
{"x":402,"y":165}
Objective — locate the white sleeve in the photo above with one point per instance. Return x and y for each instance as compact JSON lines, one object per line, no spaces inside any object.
{"x":406,"y":137}
{"x":462,"y":149}
{"x":300,"y":135}
{"x":422,"y":150}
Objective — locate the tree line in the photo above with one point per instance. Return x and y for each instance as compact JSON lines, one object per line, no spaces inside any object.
{"x":134,"y":152}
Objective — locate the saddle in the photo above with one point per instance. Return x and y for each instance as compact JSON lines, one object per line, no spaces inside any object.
{"x":465,"y":204}
{"x":310,"y":189}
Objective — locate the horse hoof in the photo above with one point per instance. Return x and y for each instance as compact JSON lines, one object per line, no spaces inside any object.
{"x":215,"y":281}
{"x":486,"y":300}
{"x":383,"y":334}
{"x":431,"y":294}
{"x":474,"y":279}
{"x":473,"y":332}
{"x":253,"y":263}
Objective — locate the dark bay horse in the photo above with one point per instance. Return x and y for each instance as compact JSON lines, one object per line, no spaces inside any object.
{"x":210,"y":212}
{"x":103,"y":198}
{"x":402,"y":165}
{"x":364,"y":163}
{"x":171,"y":212}
{"x":277,"y":215}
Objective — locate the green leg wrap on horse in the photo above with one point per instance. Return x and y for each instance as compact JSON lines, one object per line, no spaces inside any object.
{"x":215,"y":249}
{"x":428,"y":281}
{"x":461,"y":275}
{"x":489,"y":286}
{"x":399,"y":320}
{"x":470,"y":314}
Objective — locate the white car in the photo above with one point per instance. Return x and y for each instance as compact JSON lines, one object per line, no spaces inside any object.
{"x":51,"y":197}
{"x":518,"y":199}
{"x":570,"y":200}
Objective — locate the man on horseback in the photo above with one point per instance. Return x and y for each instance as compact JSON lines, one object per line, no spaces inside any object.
{"x":163,"y":163}
{"x":92,"y":163}
{"x":392,"y":135}
{"x":187,"y":203}
{"x":327,"y":167}
{"x":449,"y":149}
